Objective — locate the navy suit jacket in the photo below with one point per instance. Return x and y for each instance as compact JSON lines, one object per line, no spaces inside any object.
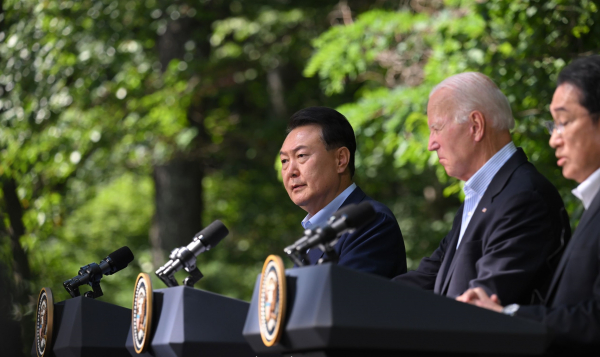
{"x":572,"y":306}
{"x":512,"y":244}
{"x":376,"y":248}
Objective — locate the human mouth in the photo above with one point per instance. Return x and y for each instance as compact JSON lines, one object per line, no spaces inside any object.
{"x":561,"y":161}
{"x":297,"y":187}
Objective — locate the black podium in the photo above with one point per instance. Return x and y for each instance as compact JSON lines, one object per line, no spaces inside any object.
{"x":335,"y":311}
{"x":192,"y":322}
{"x":85,"y":327}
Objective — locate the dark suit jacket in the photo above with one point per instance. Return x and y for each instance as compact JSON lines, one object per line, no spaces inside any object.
{"x":512,"y":244}
{"x":572,"y":307}
{"x":376,"y":248}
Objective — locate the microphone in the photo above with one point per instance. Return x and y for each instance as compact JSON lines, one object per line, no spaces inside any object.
{"x":92,"y":273}
{"x":185,"y":257}
{"x":347,"y":219}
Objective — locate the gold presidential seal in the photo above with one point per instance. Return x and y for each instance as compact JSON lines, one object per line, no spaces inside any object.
{"x":141,"y":314}
{"x":272,"y":300}
{"x":44,"y":322}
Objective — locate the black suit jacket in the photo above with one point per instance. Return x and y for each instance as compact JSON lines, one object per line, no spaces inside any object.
{"x":512,"y":244}
{"x":572,"y":307}
{"x":376,"y":248}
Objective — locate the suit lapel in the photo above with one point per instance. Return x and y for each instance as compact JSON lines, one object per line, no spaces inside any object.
{"x":586,"y":218}
{"x":494,"y":188}
{"x":357,"y":196}
{"x":447,"y":277}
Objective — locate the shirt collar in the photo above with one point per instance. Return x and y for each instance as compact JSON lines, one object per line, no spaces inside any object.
{"x":479,"y":182}
{"x":323,"y":215}
{"x":587,"y":190}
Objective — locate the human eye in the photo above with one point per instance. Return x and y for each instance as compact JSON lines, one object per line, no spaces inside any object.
{"x":302,"y":156}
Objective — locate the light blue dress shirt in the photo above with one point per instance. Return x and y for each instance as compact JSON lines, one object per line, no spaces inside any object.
{"x":476,"y":186}
{"x":323,"y":215}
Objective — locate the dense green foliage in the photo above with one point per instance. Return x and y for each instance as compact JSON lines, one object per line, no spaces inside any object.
{"x":88,"y":108}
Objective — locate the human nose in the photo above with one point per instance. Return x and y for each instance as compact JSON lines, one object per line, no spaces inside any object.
{"x":432,"y":145}
{"x":556,"y":139}
{"x":291,"y":169}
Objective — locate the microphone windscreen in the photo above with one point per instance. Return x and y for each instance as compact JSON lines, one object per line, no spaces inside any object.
{"x":121,"y":257}
{"x":344,"y":210}
{"x":359,"y":215}
{"x":213,"y":233}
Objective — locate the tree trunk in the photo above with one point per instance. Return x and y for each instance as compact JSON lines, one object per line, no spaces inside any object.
{"x":178,"y":183}
{"x":276,"y":90}
{"x":178,"y":199}
{"x":21,"y":274}
{"x":10,"y":331}
{"x":16,"y":230}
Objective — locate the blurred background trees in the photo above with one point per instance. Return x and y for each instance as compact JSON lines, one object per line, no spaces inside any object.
{"x":139,"y":122}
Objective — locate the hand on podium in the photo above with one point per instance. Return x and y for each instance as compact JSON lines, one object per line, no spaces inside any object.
{"x":478,"y":297}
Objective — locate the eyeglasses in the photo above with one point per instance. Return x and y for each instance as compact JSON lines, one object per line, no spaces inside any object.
{"x":551,"y":126}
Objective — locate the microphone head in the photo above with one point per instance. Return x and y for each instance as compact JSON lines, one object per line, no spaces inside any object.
{"x":212,"y":234}
{"x":357,"y":215}
{"x":121,"y":257}
{"x":343,"y":211}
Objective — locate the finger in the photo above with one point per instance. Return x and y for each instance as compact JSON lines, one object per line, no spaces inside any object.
{"x":495,"y":299}
{"x":467,"y":296}
{"x":481,"y":294}
{"x":463,"y":297}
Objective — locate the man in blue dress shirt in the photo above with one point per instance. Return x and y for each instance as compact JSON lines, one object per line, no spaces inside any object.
{"x":317,"y":159}
{"x":508,"y":235}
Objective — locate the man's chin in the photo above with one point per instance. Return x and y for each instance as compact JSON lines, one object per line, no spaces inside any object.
{"x":300,"y":202}
{"x":448,"y":172}
{"x":566,"y":174}
{"x":443,"y":163}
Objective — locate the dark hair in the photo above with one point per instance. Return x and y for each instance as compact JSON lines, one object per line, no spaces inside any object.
{"x":336,"y":131}
{"x":584,"y":73}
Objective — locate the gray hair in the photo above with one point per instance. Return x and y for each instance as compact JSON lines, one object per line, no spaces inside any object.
{"x":476,"y":91}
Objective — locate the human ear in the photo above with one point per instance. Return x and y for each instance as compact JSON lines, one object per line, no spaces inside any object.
{"x":478,"y":124}
{"x":342,"y":159}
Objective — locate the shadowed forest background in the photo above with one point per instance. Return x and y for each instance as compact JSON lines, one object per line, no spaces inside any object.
{"x":140,"y":122}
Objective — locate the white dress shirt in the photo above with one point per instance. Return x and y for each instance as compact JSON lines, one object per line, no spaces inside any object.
{"x":587,"y":190}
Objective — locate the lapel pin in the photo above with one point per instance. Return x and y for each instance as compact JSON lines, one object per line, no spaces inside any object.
{"x":484,"y":210}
